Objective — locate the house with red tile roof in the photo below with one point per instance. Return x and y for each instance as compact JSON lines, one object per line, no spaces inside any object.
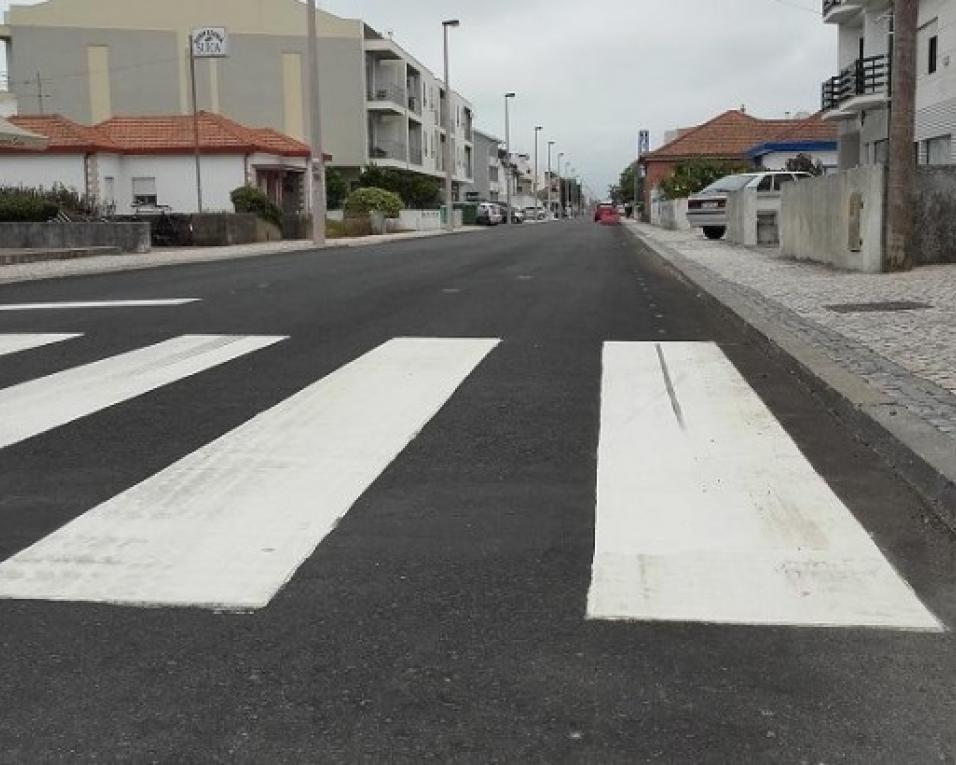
{"x":736,"y":138}
{"x":130,"y":163}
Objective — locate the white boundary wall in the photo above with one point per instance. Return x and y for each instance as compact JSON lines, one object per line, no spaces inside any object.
{"x":836,"y":219}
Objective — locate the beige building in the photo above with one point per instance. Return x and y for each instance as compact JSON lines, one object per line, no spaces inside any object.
{"x":90,"y":60}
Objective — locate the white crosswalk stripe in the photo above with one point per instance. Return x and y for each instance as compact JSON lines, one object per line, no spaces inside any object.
{"x":228,"y":525}
{"x":708,"y":512}
{"x":40,"y":405}
{"x":706,"y":509}
{"x":10,"y":343}
{"x":67,"y":306}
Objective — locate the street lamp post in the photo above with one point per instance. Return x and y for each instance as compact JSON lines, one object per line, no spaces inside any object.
{"x":537,"y":130}
{"x":317,"y":157}
{"x":560,"y":187}
{"x":550,"y":179}
{"x":508,"y":173}
{"x":449,"y":137}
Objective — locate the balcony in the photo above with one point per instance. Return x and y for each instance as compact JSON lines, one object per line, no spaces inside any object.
{"x":383,"y":149}
{"x":415,"y":155}
{"x":387,"y":97}
{"x":863,"y":85}
{"x":838,"y":11}
{"x":415,"y":107}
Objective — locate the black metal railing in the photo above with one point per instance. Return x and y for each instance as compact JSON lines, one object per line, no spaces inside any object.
{"x":863,"y":77}
{"x":829,"y":5}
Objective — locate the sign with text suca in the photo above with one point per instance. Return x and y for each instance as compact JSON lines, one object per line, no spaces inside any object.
{"x":210,"y":42}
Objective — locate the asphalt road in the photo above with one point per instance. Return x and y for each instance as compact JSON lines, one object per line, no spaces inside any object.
{"x":444,"y":617}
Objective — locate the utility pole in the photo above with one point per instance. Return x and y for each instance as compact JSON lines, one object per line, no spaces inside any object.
{"x":196,"y":145}
{"x":316,"y":175}
{"x":537,"y":130}
{"x":449,"y":135}
{"x":508,"y":173}
{"x":40,"y":95}
{"x":902,"y":171}
{"x":550,"y":179}
{"x":560,"y":187}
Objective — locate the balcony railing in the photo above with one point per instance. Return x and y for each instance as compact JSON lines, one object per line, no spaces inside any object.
{"x":388,"y":150}
{"x":866,"y":76}
{"x":829,"y":5}
{"x":387,"y":92}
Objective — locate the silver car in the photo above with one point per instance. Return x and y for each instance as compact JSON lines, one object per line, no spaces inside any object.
{"x":707,"y":209}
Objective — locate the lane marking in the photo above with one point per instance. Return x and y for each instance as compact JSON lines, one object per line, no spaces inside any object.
{"x":40,"y":405}
{"x":98,"y":304}
{"x":227,"y":526}
{"x":10,"y":344}
{"x":722,"y":520}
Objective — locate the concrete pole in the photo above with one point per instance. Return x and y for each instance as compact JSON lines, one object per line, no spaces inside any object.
{"x":449,"y":137}
{"x":508,"y":173}
{"x":550,"y":179}
{"x":197,"y":152}
{"x":560,"y":187}
{"x":902,"y":171}
{"x":537,"y":130}
{"x":316,"y":172}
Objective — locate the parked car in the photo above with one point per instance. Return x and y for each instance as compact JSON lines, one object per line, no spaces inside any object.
{"x":707,"y":209}
{"x":489,"y":214}
{"x":517,"y":216}
{"x":531,"y":213}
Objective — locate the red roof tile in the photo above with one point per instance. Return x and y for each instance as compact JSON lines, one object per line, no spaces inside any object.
{"x":63,"y":134}
{"x":731,"y":134}
{"x":161,"y":135}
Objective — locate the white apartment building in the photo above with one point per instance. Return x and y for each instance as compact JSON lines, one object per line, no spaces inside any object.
{"x":90,"y":60}
{"x":859,"y":96}
{"x":488,"y":184}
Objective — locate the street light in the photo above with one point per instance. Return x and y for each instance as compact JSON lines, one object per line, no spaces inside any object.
{"x":317,"y":157}
{"x":560,"y":186}
{"x":537,"y":130}
{"x":449,"y":137}
{"x":508,"y":174}
{"x":550,"y":179}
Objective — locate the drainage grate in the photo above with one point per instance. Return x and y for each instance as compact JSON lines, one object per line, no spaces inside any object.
{"x":887,"y":307}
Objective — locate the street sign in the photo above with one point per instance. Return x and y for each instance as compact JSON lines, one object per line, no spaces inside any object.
{"x":210,"y":42}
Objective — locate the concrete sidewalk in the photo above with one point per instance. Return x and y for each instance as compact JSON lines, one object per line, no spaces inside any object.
{"x":883,"y":345}
{"x":24,"y":272}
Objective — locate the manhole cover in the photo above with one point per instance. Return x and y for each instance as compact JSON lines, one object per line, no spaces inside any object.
{"x":903,"y":305}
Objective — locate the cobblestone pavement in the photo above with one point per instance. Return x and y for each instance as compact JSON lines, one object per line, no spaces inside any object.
{"x":909,"y":356}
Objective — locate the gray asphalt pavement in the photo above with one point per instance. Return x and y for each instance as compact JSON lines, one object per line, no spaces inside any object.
{"x":444,"y":618}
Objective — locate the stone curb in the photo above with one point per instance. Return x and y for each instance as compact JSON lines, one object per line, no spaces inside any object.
{"x":921,"y":455}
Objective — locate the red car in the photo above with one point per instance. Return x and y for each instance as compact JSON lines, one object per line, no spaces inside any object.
{"x":606,"y":214}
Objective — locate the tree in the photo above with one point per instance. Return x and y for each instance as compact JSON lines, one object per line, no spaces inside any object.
{"x":626,"y":184}
{"x":694,"y":175}
{"x":803,"y":163}
{"x":370,"y":199}
{"x":416,"y":190}
{"x":336,"y":189}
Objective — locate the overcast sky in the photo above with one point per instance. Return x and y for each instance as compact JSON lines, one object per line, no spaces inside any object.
{"x":593,"y":74}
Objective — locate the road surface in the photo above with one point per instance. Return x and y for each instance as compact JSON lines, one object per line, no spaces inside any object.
{"x":520,"y":496}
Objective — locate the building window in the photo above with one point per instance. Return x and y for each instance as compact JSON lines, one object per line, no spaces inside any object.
{"x":493,"y":174}
{"x":144,"y":192}
{"x":881,"y":152}
{"x":939,"y":151}
{"x":927,"y":44}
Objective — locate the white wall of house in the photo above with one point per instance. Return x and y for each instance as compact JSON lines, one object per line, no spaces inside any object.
{"x":175,"y":177}
{"x":46,"y":170}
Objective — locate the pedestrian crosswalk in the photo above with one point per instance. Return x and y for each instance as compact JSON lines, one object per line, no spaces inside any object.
{"x":706,"y":511}
{"x":16,"y":343}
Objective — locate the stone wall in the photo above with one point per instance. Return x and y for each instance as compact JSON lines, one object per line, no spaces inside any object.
{"x":753,"y":217}
{"x":935,"y":211}
{"x":670,"y":214}
{"x":836,"y":219}
{"x":127,"y":237}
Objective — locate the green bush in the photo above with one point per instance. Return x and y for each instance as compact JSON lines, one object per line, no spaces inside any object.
{"x":365,"y":201}
{"x":336,"y":189}
{"x":418,"y":192}
{"x":693,"y":176}
{"x":26,"y":206}
{"x":249,"y":199}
